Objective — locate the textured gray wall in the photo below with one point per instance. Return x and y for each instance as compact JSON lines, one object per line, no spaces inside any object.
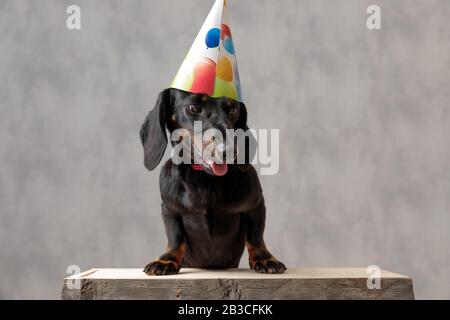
{"x":364,"y":118}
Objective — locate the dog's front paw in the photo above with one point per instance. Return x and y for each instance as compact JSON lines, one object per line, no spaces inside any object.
{"x":161,"y":268}
{"x":270,"y":265}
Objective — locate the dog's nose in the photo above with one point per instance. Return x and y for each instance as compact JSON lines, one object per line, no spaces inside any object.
{"x":224,"y":149}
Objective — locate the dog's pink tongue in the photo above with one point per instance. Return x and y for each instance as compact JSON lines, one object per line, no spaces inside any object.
{"x":219,"y":169}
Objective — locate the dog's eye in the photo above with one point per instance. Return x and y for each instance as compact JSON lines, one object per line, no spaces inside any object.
{"x":194,"y":108}
{"x":234,"y":113}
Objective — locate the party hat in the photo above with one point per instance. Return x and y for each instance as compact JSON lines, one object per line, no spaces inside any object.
{"x":210,"y":66}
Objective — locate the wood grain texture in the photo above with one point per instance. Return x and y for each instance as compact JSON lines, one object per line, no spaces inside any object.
{"x":236,"y":284}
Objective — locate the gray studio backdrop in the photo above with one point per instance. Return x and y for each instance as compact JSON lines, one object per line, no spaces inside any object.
{"x":364,"y":119}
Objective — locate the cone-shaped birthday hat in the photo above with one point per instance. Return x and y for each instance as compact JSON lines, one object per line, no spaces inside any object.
{"x":210,"y":67}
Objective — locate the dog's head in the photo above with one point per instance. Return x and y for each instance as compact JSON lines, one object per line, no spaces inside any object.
{"x":177,"y":109}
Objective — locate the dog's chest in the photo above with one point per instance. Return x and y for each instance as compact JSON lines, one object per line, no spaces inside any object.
{"x":193,"y":193}
{"x":211,"y":226}
{"x":215,"y":201}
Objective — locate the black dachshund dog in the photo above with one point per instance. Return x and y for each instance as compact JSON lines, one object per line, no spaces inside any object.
{"x":209,"y":215}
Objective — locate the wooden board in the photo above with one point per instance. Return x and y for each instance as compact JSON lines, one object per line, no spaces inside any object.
{"x":235,"y":284}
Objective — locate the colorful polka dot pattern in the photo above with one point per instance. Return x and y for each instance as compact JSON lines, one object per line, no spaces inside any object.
{"x":213,"y":38}
{"x":210,"y":66}
{"x":225,"y":35}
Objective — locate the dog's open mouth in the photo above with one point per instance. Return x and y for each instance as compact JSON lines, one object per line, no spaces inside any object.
{"x":218,"y":169}
{"x":209,"y":165}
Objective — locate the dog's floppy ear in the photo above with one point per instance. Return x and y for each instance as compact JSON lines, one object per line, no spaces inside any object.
{"x":250,"y":144}
{"x":153,"y":131}
{"x":241,"y":122}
